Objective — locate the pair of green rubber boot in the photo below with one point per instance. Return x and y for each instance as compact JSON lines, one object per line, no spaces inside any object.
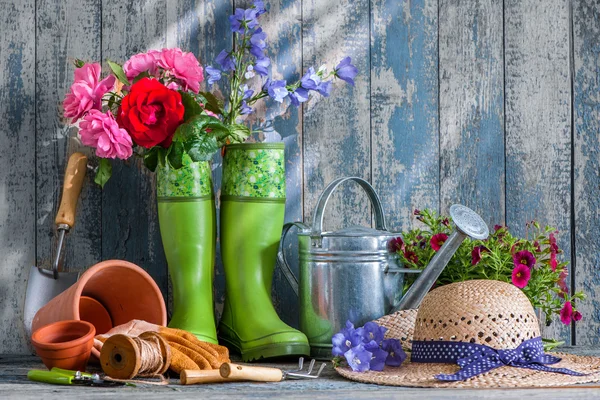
{"x":252,"y":216}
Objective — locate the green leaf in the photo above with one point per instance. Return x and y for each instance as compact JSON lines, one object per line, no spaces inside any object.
{"x":175,"y":155}
{"x":203,"y":148}
{"x":104,"y":172}
{"x":190,"y":103}
{"x":151,"y":158}
{"x":239,"y":133}
{"x":79,"y":63}
{"x":144,"y":74}
{"x":118,"y":71}
{"x":212,"y":103}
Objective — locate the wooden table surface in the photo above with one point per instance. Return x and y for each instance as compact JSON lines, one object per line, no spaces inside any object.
{"x":14,"y":384}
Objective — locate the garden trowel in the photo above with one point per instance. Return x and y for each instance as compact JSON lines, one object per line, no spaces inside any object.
{"x":43,"y":285}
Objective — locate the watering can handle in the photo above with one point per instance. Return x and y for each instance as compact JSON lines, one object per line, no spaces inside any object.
{"x":317,"y":226}
{"x":282,"y":261}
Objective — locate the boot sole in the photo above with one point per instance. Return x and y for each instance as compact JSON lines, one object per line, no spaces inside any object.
{"x":268,"y":351}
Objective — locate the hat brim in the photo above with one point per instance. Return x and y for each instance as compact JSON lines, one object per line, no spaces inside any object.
{"x":401,"y":326}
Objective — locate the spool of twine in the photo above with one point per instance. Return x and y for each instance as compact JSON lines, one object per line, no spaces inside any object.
{"x":127,"y":357}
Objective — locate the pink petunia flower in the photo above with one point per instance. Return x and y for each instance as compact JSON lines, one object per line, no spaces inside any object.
{"x":411,"y":256}
{"x":183,"y":66}
{"x":524,"y":257}
{"x":86,"y":91}
{"x":566,"y":313}
{"x":521,"y":275}
{"x":553,"y":261}
{"x":396,"y":244}
{"x":577,"y":316}
{"x":562,"y":283}
{"x":437,"y":241}
{"x":142,"y":62}
{"x":476,"y":254}
{"x":101,"y":131}
{"x":553,"y":245}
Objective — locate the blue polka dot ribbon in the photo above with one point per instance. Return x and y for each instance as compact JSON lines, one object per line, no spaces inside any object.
{"x":475,"y":359}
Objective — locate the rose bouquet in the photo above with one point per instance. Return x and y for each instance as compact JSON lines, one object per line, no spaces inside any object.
{"x":532,"y":263}
{"x":152,"y":105}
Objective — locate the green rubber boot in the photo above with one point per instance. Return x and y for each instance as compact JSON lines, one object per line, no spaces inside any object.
{"x":252,"y":215}
{"x":186,"y":214}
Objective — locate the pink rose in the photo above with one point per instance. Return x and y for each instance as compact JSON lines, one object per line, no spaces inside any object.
{"x":87,"y":91}
{"x":183,"y":66}
{"x":143,"y":62}
{"x":101,"y":131}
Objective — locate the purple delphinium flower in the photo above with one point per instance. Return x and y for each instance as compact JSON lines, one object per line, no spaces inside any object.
{"x":372,"y":331}
{"x":310,"y":80}
{"x":226,"y":61}
{"x":247,"y":93}
{"x":261,"y":66}
{"x":259,"y":6}
{"x":245,"y":108}
{"x":396,"y":355}
{"x":214,"y":74}
{"x":358,"y":358}
{"x":249,"y":72}
{"x":298,"y":96}
{"x":324,"y":88}
{"x":243,"y":17}
{"x":378,"y":356}
{"x":346,"y":71}
{"x":276,"y":90}
{"x":346,"y":339}
{"x":524,"y":257}
{"x":258,"y":43}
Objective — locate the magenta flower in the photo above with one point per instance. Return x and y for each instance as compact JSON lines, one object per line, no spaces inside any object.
{"x":101,"y":131}
{"x":524,"y":257}
{"x":86,"y":91}
{"x":577,"y":316}
{"x":183,"y":66}
{"x":562,"y":283}
{"x":497,"y":228}
{"x":396,"y":244}
{"x":411,"y":256}
{"x":417,"y":211}
{"x":142,"y":62}
{"x":553,"y":245}
{"x":476,"y":254}
{"x":553,"y":261}
{"x":521,"y":275}
{"x":566,"y":314}
{"x":437,"y":241}
{"x":446,"y":221}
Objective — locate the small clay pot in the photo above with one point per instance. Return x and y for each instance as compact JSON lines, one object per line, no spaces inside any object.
{"x":91,"y":310}
{"x":65,"y":344}
{"x":123,"y":289}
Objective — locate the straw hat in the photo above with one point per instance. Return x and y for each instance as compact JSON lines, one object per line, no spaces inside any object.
{"x":483,"y":325}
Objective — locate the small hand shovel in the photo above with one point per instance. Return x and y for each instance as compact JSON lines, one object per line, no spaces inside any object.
{"x":43,"y":285}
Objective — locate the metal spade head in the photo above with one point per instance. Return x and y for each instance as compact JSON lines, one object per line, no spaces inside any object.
{"x":469,"y":222}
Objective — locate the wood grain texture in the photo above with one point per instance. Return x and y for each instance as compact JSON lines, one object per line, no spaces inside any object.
{"x":202,"y":27}
{"x":17,"y":161}
{"x":130,"y":228}
{"x":586,"y":109}
{"x":472,"y":107}
{"x":65,"y":30}
{"x":538,"y":121}
{"x":337,"y":131}
{"x":404,"y":107}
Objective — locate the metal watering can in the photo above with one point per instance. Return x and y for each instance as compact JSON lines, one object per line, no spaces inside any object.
{"x":351,"y":274}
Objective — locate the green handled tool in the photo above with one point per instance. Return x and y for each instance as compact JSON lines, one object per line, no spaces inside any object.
{"x":58,"y":376}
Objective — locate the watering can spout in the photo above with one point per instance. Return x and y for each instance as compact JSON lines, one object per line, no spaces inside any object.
{"x":468,"y":224}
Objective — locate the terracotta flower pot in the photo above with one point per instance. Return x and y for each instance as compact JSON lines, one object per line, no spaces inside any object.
{"x":65,"y":344}
{"x":125,"y":290}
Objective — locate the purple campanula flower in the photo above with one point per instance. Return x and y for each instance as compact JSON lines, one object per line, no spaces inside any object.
{"x":226,"y":61}
{"x":358,"y":358}
{"x":298,"y":96}
{"x":277,"y":90}
{"x":259,"y":6}
{"x":396,"y":354}
{"x":346,"y":339}
{"x":346,"y":71}
{"x":324,"y":88}
{"x":243,"y":17}
{"x":372,"y":331}
{"x":261,"y":66}
{"x":245,"y":108}
{"x":214,"y":74}
{"x":258,"y":43}
{"x":378,"y":357}
{"x":310,"y":80}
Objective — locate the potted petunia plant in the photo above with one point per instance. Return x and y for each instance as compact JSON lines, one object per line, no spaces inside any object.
{"x":153,"y":107}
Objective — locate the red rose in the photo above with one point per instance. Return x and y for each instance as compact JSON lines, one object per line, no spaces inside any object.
{"x":151,"y":113}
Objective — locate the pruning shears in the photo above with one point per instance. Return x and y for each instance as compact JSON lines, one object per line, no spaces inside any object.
{"x":58,"y":376}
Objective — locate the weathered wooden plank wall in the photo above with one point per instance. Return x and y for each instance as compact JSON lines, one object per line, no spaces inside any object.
{"x":489,"y":103}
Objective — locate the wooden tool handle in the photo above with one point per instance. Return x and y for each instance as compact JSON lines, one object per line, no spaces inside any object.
{"x":192,"y":376}
{"x":74,"y":175}
{"x":247,"y":373}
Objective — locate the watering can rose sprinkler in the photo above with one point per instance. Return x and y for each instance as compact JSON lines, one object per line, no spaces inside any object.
{"x":351,"y":274}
